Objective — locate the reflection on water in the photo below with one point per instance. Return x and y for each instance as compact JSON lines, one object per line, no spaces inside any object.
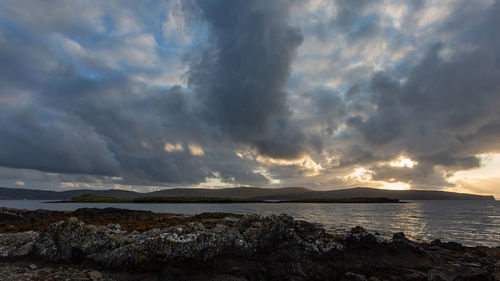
{"x":468,"y":222}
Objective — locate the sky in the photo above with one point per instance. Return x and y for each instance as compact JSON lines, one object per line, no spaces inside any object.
{"x":324,"y":94}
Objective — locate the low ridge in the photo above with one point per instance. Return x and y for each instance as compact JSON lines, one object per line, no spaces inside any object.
{"x":254,"y":193}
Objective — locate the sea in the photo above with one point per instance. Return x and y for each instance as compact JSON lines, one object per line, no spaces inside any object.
{"x":469,"y":222}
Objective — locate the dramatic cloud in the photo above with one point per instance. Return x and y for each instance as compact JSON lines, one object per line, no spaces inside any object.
{"x":240,"y":77}
{"x":324,"y":94}
{"x":439,"y":115}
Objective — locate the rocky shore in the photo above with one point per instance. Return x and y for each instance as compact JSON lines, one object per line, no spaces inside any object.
{"x":116,"y":244}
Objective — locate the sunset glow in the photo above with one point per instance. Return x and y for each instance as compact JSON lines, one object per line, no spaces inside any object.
{"x":403,"y":162}
{"x":396,"y":186}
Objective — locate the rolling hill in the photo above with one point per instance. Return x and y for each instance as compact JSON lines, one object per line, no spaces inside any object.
{"x":256,"y":193}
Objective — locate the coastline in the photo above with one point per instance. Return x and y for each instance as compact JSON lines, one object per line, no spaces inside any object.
{"x":214,"y":246}
{"x":91,"y":198}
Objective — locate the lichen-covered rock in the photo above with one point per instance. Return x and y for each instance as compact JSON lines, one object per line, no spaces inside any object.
{"x":64,"y":240}
{"x":164,"y":245}
{"x":110,"y":246}
{"x":17,"y":244}
{"x":252,"y":247}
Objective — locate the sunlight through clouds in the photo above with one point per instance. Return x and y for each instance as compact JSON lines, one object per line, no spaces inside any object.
{"x":317,"y":93}
{"x":170,"y":147}
{"x":403,"y":162}
{"x":195,"y":149}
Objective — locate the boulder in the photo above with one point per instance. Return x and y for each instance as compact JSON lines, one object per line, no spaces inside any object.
{"x":18,"y":244}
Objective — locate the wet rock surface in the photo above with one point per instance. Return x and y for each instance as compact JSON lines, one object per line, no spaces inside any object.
{"x":226,"y":247}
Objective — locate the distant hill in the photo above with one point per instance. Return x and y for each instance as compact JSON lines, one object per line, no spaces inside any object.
{"x":235,"y":192}
{"x":255,"y":193}
{"x":375,"y":192}
{"x":35,"y":194}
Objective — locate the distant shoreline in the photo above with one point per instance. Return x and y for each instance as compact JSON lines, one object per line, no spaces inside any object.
{"x":244,"y":193}
{"x":91,"y":198}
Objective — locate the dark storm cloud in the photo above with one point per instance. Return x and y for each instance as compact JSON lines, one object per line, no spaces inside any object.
{"x":419,"y":177}
{"x":329,"y":109}
{"x":240,"y":78}
{"x":384,"y":124}
{"x":54,"y":120}
{"x":446,"y":96}
{"x":356,"y":155}
{"x":78,"y":96}
{"x":36,"y":137}
{"x":57,"y":119}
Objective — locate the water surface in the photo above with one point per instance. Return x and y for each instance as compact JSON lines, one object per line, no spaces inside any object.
{"x":469,"y":222}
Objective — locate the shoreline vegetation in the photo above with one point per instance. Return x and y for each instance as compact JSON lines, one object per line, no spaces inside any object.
{"x":92,"y":198}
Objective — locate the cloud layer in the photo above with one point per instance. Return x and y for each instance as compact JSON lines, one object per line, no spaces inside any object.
{"x":323,"y":94}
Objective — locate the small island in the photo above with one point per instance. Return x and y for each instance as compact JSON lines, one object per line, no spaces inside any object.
{"x":92,"y":198}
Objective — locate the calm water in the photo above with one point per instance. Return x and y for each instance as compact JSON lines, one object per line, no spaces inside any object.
{"x":468,"y":222}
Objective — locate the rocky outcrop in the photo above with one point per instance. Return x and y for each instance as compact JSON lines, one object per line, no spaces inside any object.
{"x":239,"y":238}
{"x":17,"y":244}
{"x":252,"y":247}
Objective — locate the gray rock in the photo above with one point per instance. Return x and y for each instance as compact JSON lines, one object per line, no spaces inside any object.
{"x":437,"y":275}
{"x":110,"y":246}
{"x":17,"y":244}
{"x":32,"y":266}
{"x":354,"y":277}
{"x":250,"y":247}
{"x":357,"y":229}
{"x":95,"y":275}
{"x":415,"y":275}
{"x":59,"y":241}
{"x":434,"y":248}
{"x":361,"y":240}
{"x":399,"y":236}
{"x":436,"y":242}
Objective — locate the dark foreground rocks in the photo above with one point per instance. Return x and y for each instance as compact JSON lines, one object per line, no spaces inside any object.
{"x":228,"y":247}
